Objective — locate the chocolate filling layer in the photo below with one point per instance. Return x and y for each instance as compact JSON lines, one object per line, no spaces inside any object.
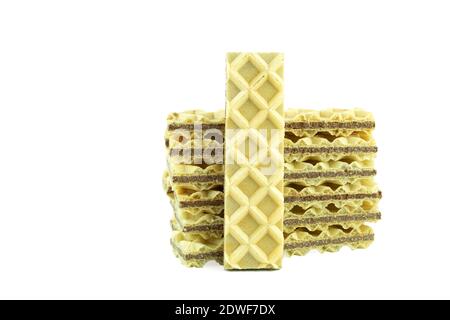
{"x":197,"y":152}
{"x":329,"y":174}
{"x":190,"y":126}
{"x":289,"y":199}
{"x":203,"y":228}
{"x":332,"y":219}
{"x":326,"y":242}
{"x":205,"y":152}
{"x":298,"y":221}
{"x":327,"y":197}
{"x":200,"y":203}
{"x":290,"y":175}
{"x":199,"y":178}
{"x":309,"y":150}
{"x":331,"y":125}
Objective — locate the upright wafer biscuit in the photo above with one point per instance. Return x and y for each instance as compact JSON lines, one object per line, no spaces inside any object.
{"x":253,"y":236}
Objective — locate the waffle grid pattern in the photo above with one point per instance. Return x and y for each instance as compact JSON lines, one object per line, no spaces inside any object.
{"x":254,"y":203}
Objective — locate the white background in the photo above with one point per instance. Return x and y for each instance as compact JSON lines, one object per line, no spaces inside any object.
{"x":85,"y":87}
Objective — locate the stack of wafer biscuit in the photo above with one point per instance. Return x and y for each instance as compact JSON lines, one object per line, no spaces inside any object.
{"x":329,"y":188}
{"x":329,"y":185}
{"x":194,"y":184}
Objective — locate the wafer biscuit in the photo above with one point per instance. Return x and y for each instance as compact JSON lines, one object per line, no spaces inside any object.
{"x":253,"y":237}
{"x":331,"y":149}
{"x":304,"y":120}
{"x":195,"y":250}
{"x":206,"y":230}
{"x":331,"y":239}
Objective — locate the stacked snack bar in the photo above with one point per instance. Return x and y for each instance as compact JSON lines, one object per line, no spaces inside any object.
{"x":329,"y":188}
{"x":194,"y":184}
{"x":329,"y":185}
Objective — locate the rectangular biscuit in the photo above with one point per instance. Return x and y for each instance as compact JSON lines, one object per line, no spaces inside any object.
{"x":330,"y":239}
{"x":254,"y":124}
{"x":196,"y":250}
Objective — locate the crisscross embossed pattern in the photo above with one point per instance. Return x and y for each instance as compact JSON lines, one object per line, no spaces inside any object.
{"x":254,"y":123}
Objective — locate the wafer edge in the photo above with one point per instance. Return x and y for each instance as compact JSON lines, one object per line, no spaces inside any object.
{"x":328,"y":197}
{"x":216,"y":255}
{"x":211,"y":151}
{"x":289,"y":175}
{"x":288,"y":222}
{"x":330,"y":125}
